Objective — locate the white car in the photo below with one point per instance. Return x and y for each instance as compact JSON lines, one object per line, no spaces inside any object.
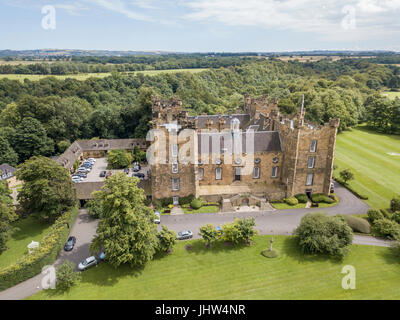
{"x":83,"y":169}
{"x":77,"y":179}
{"x":87,"y":263}
{"x":157,"y":219}
{"x":93,"y":160}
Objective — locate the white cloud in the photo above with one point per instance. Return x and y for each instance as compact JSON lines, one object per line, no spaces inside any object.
{"x":324,"y":18}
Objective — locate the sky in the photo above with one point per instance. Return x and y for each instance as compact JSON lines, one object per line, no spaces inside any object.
{"x":200,"y":25}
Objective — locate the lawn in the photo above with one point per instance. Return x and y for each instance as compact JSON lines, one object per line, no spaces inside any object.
{"x":225,"y":272}
{"x":374,"y":159}
{"x":30,"y":229}
{"x":84,"y":76}
{"x":284,"y":205}
{"x":203,"y":209}
{"x":391,"y":95}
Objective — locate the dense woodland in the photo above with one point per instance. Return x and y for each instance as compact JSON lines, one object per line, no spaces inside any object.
{"x":44,"y":117}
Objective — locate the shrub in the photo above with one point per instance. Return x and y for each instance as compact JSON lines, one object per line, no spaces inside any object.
{"x":51,"y":244}
{"x":66,"y":276}
{"x":395,"y":203}
{"x":301,"y":198}
{"x":386,"y":213}
{"x":386,"y":228}
{"x":292,"y":201}
{"x":373,"y":215}
{"x":162,"y":203}
{"x":319,"y":233}
{"x":358,"y":224}
{"x":231,"y":233}
{"x":246,"y":229}
{"x":186,"y":200}
{"x":94,"y":208}
{"x":346,"y":175}
{"x":396,"y":217}
{"x":166,"y":239}
{"x":208,"y":233}
{"x":196,"y":204}
{"x":320,"y":197}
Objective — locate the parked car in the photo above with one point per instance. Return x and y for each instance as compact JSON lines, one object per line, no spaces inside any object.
{"x":92,"y":160}
{"x":108,"y":174}
{"x":77,"y":179}
{"x":102,"y":256}
{"x":126,"y":170}
{"x":80,"y":174}
{"x":83,"y":169}
{"x":157,"y":219}
{"x":219,"y":231}
{"x":139,"y":175}
{"x":103,"y":174}
{"x":87,"y":263}
{"x":136,"y":167}
{"x":185,"y":234}
{"x":332,"y":187}
{"x":69,"y":245}
{"x":87,"y":165}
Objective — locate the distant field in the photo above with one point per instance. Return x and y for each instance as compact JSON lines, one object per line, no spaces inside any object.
{"x":84,"y":76}
{"x":314,"y":58}
{"x":391,"y":95}
{"x":375,"y":160}
{"x":226,"y":272}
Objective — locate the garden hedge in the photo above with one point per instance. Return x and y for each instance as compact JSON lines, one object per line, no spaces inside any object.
{"x":291,"y":201}
{"x":320,"y":197}
{"x":358,"y":224}
{"x":301,"y":198}
{"x":50,"y":246}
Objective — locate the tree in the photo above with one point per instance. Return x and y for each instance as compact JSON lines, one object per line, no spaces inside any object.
{"x":47,"y":190}
{"x":7,"y":153}
{"x":31,"y":139}
{"x":209,"y":234}
{"x":118,"y":159}
{"x":7,"y":215}
{"x":66,"y":276}
{"x":166,"y":239}
{"x":395,"y":203}
{"x":346,"y":175}
{"x":138,"y":155}
{"x":231,"y":233}
{"x":386,"y":228}
{"x":319,"y":233}
{"x":126,"y":230}
{"x":246,"y":229}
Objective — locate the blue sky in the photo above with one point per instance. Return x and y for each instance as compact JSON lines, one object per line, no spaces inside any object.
{"x":203,"y":25}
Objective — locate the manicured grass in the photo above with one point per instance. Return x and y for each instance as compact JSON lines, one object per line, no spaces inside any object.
{"x":204,"y":209}
{"x":30,"y":229}
{"x":84,"y":76}
{"x":374,"y":159}
{"x":391,"y":95}
{"x":226,"y":272}
{"x":284,"y":206}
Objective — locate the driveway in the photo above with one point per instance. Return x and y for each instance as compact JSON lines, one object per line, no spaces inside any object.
{"x":83,"y":229}
{"x":279,"y":222}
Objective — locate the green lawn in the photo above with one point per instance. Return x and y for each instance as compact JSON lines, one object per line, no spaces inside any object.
{"x":30,"y":229}
{"x":375,"y":160}
{"x":225,"y":272}
{"x":84,"y":76}
{"x":391,"y":95}
{"x":204,"y":209}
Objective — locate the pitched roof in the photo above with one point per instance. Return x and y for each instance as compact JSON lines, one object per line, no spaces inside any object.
{"x":5,"y":168}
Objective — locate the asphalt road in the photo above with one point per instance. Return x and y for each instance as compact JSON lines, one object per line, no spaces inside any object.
{"x":279,"y":222}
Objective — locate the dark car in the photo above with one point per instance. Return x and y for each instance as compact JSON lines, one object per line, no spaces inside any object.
{"x":332,"y":187}
{"x":69,"y":245}
{"x":136,"y":167}
{"x":81,"y":174}
{"x":102,"y":174}
{"x":138,"y":175}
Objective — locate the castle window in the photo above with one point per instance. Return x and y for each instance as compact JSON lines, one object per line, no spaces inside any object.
{"x":313,"y":146}
{"x":274,"y":172}
{"x":311,"y":162}
{"x":175,"y":184}
{"x":218,"y":173}
{"x":218,"y":161}
{"x":175,"y":168}
{"x":238,"y":161}
{"x":256,"y":173}
{"x":201,"y":173}
{"x":310,"y":179}
{"x":275,"y":160}
{"x":238,"y":174}
{"x":257,"y":160}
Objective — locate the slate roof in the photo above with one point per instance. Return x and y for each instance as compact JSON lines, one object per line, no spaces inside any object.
{"x":202,"y":119}
{"x":6,"y":171}
{"x":264,"y":141}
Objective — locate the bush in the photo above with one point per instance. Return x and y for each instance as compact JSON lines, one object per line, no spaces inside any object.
{"x":386,"y":213}
{"x":396,"y":217}
{"x":196,"y":204}
{"x":186,"y":200}
{"x":208,"y":233}
{"x":358,"y":224}
{"x":66,"y":276}
{"x":320,"y":197}
{"x":319,"y":233}
{"x":373,"y":215}
{"x":51,"y":245}
{"x":395,"y":203}
{"x":162,"y":203}
{"x":166,"y":239}
{"x":386,"y":228}
{"x":292,"y":201}
{"x":301,"y":198}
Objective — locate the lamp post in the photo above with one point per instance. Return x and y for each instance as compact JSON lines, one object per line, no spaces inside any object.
{"x":270,"y":244}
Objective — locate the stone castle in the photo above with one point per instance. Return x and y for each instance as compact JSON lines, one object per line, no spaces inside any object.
{"x":290,"y":156}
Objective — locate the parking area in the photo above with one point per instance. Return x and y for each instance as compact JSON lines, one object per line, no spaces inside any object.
{"x":101,"y":165}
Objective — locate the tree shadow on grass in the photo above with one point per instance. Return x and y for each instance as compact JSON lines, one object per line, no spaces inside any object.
{"x":291,"y":248}
{"x":391,"y":256}
{"x":199,"y":247}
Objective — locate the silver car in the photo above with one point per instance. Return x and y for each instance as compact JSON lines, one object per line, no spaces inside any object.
{"x":185,"y":234}
{"x":157,"y":219}
{"x":87,"y":263}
